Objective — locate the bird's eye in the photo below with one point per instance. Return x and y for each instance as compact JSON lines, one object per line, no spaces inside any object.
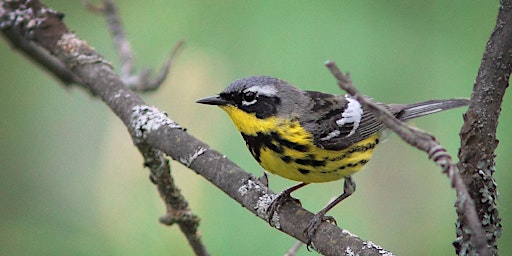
{"x":249,"y":98}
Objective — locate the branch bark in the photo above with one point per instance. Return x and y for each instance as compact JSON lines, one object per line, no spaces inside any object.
{"x":478,"y":134}
{"x":39,"y":29}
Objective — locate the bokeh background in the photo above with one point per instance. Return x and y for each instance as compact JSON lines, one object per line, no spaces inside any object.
{"x":72,"y":183}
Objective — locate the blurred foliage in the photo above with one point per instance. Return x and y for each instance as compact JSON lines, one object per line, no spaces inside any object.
{"x":73,"y":184}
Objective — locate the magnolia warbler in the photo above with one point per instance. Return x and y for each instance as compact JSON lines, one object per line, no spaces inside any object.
{"x":309,"y":136}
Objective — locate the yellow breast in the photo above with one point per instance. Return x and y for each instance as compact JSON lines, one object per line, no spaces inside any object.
{"x":284,"y":148}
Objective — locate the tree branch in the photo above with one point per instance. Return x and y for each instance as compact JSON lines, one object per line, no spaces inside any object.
{"x":427,"y":143}
{"x":41,"y":28}
{"x":153,"y":132}
{"x":39,"y":55}
{"x":478,"y":134}
{"x":178,"y":211}
{"x":139,"y":82}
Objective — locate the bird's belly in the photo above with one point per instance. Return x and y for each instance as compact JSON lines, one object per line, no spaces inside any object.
{"x":318,"y":165}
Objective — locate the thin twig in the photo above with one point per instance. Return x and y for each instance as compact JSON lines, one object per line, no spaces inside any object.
{"x":145,"y":80}
{"x":178,"y":211}
{"x":427,"y":143}
{"x":149,"y":83}
{"x":294,"y":249}
{"x":121,"y":43}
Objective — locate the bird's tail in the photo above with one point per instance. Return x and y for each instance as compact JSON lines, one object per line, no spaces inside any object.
{"x":414,"y":110}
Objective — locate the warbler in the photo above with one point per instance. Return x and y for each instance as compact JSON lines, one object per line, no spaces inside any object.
{"x":310,"y":136}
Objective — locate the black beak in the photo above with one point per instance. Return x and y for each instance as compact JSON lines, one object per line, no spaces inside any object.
{"x":213,"y":100}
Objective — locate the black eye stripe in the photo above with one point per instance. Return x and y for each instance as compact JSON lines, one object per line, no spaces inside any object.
{"x":263,"y":108}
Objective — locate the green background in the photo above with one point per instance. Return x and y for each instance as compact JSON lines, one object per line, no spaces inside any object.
{"x":72,"y":183}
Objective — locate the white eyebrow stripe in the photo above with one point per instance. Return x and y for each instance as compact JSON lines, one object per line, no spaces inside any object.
{"x":265,"y":90}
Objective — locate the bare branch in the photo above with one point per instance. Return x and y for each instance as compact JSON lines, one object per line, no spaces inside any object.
{"x":38,"y":54}
{"x":294,"y":249}
{"x":121,"y":43}
{"x":145,"y":80}
{"x":148,"y":83}
{"x":177,"y":207}
{"x":478,"y":134}
{"x":43,"y":58}
{"x":145,"y":119}
{"x":427,"y":143}
{"x":41,"y":27}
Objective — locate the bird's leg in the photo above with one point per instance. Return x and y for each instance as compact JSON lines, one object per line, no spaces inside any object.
{"x":348,"y":188}
{"x":264,"y":179}
{"x":282,"y":198}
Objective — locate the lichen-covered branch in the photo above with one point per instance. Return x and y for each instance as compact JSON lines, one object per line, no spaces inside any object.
{"x":478,"y":134}
{"x":32,"y":24}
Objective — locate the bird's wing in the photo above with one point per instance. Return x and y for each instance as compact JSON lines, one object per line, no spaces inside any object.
{"x":337,"y":121}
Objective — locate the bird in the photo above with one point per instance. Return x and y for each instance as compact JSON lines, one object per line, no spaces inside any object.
{"x":310,"y":136}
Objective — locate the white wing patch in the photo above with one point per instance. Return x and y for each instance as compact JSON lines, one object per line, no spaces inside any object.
{"x":352,"y":114}
{"x":331,"y":135}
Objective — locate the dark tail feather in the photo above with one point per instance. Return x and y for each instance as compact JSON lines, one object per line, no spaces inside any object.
{"x":429,"y":107}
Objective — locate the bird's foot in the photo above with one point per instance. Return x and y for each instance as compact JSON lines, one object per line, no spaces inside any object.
{"x":263,"y":179}
{"x":282,"y":198}
{"x":314,"y":224}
